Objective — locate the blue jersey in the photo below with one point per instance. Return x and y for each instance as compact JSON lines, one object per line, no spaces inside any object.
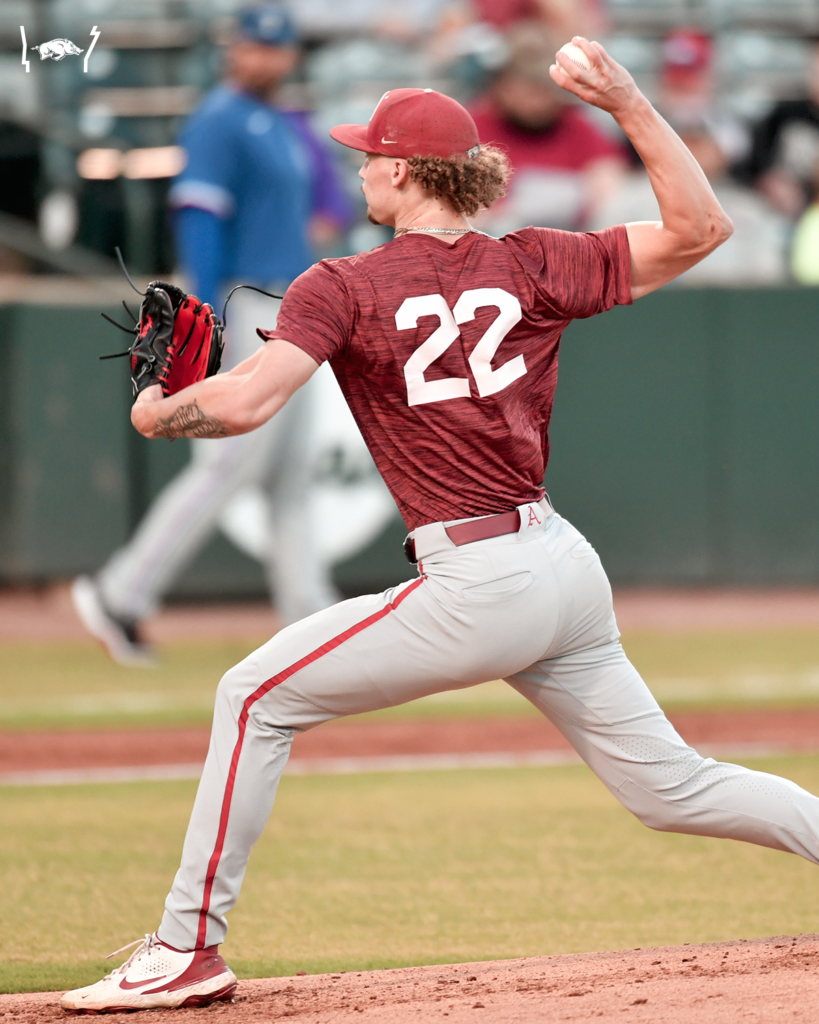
{"x":253,"y":177}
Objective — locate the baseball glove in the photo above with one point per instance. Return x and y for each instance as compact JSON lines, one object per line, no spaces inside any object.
{"x":178,"y":340}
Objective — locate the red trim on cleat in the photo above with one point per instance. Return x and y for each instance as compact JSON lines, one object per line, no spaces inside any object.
{"x":224,"y":996}
{"x":206,"y":964}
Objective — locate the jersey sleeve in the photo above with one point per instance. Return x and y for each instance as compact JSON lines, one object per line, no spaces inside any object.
{"x":578,"y":274}
{"x":316,"y":314}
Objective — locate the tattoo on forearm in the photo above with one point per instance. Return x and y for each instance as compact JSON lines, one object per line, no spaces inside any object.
{"x":189,"y":421}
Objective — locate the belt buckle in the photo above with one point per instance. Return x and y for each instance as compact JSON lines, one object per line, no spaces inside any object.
{"x":409,"y":550}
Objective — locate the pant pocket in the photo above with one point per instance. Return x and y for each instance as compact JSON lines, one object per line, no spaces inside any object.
{"x":498,"y":589}
{"x":582,"y":549}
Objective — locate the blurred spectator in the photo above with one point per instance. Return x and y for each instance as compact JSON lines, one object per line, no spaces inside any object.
{"x":257,"y":184}
{"x":566,"y":17}
{"x":565,"y":166}
{"x":754,"y":254}
{"x":786,"y":148}
{"x":329,"y":19}
{"x":805,"y":252}
{"x":688,"y":93}
{"x":470,"y":42}
{"x":805,"y":248}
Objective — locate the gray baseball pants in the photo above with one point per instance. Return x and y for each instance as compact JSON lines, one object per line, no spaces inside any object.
{"x":533,"y":608}
{"x":277,"y":456}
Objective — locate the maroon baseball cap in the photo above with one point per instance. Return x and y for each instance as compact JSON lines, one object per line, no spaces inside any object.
{"x":410,"y":122}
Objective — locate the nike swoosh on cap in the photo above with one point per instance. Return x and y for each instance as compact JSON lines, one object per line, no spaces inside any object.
{"x":390,"y":142}
{"x":139,"y":984}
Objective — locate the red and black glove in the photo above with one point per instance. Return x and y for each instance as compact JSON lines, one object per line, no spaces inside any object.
{"x":178,"y":342}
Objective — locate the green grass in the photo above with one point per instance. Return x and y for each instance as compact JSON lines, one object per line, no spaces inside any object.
{"x":385,"y":870}
{"x":75,"y":685}
{"x":729,"y":668}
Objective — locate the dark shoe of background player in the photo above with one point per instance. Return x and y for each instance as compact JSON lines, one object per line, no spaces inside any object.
{"x":156,"y":976}
{"x":120,"y":638}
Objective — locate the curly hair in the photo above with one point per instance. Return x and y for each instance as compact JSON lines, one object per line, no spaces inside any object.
{"x":468,"y":185}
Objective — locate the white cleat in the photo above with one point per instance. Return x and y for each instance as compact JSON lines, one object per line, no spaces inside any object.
{"x":121,"y":639}
{"x":156,"y":977}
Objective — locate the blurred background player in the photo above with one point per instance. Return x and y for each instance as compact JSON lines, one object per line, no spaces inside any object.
{"x":257,"y":194}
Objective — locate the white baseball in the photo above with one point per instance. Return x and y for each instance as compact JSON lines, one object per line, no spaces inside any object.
{"x":576,"y":55}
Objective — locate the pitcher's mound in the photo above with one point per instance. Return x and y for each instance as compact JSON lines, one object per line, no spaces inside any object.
{"x":767,"y":980}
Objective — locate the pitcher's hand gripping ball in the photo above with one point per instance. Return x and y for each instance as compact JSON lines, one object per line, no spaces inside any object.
{"x":178,"y":340}
{"x":576,"y":55}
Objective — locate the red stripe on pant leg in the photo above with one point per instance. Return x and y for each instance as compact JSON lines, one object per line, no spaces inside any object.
{"x":265,"y":688}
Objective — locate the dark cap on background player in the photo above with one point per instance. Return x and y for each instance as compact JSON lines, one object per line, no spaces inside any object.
{"x":414,"y":122}
{"x":268,"y":24}
{"x":263,"y":50}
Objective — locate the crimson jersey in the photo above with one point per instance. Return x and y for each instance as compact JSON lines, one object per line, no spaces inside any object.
{"x":447,"y":355}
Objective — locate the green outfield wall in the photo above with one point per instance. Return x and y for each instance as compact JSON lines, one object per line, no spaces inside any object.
{"x":686,"y":437}
{"x":684,"y":444}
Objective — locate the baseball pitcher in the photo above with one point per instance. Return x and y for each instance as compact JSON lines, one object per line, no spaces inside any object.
{"x":445,"y":343}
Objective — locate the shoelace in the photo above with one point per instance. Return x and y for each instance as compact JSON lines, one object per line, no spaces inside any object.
{"x":141,"y":944}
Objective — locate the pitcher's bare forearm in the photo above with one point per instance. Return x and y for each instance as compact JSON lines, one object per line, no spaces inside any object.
{"x":229,"y":403}
{"x":693,"y":222}
{"x":206,"y":409}
{"x":189,"y":421}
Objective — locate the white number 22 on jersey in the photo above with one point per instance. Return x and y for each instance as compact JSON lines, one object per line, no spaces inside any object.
{"x":487,"y":380}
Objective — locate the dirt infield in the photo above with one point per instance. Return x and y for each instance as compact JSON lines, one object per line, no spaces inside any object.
{"x":751,"y":731}
{"x":766,"y":980}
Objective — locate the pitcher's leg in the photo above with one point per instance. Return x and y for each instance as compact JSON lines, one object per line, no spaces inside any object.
{"x":602,"y":706}
{"x":245,"y":761}
{"x":359,"y":655}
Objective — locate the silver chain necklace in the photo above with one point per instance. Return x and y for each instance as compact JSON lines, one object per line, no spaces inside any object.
{"x":435,"y":231}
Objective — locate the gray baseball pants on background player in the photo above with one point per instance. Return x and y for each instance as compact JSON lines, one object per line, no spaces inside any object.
{"x":186,"y":513}
{"x":532,"y":607}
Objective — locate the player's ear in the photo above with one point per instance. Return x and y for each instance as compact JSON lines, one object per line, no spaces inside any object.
{"x":400,"y":173}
